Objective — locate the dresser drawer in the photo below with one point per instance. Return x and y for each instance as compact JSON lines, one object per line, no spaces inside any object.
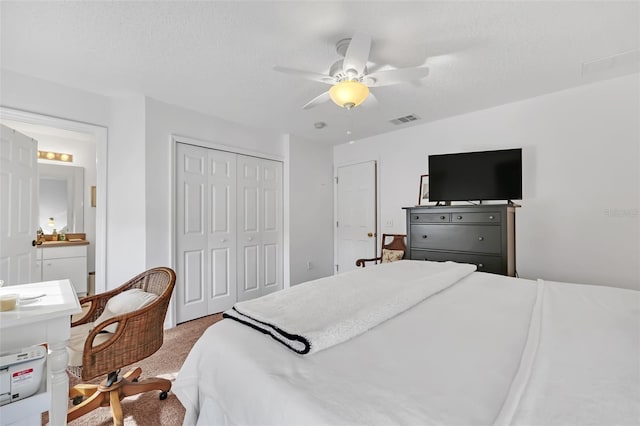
{"x":430,"y":217}
{"x":63,"y":252}
{"x":473,"y":238}
{"x":488,"y":217}
{"x":491,"y":264}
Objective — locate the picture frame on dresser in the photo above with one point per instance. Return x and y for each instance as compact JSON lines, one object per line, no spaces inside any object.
{"x":423,"y":196}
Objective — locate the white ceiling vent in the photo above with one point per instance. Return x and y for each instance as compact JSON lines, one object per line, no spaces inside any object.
{"x":406,"y":119}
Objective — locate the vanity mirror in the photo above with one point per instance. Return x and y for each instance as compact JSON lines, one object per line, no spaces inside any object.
{"x":61,"y":197}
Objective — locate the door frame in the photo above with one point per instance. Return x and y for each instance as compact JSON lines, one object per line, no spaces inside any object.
{"x":100,"y":134}
{"x":171,"y":320}
{"x":377,"y":162}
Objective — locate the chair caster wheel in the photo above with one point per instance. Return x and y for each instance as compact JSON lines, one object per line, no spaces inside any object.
{"x":163,"y":395}
{"x":77,"y":400}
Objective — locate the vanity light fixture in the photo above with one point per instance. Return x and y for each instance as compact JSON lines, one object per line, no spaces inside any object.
{"x":55,"y":156}
{"x":51,"y":223}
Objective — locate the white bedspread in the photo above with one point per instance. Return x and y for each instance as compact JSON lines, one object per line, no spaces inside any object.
{"x":488,"y":349}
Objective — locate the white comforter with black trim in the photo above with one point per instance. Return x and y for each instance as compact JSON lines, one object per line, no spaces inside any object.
{"x":486,"y":350}
{"x":319,"y":314}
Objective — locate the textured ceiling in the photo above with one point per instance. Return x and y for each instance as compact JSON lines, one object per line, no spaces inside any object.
{"x":217,"y":57}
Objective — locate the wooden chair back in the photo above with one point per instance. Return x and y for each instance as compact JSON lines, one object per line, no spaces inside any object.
{"x":389,"y":242}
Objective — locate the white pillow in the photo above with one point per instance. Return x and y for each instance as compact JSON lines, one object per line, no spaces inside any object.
{"x":123,"y":303}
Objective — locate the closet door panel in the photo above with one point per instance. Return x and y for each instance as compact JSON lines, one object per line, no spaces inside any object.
{"x":250,"y":266}
{"x":271,"y":266}
{"x":220,"y":274}
{"x":271,"y":235}
{"x":222,"y":230}
{"x":194,"y":270}
{"x":191,"y":232}
{"x":250,"y":287}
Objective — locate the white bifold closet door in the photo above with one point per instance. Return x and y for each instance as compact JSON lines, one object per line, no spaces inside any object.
{"x":229,"y":229}
{"x":259,"y":227}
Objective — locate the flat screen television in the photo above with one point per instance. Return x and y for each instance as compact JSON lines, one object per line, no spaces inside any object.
{"x":485,"y":175}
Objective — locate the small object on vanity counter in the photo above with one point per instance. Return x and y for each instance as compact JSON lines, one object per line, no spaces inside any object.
{"x":8,"y":302}
{"x":54,"y":235}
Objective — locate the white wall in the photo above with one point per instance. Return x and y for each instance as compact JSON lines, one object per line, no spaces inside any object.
{"x":26,"y":93}
{"x":579,"y":219}
{"x":311,"y":209}
{"x":126,"y":205}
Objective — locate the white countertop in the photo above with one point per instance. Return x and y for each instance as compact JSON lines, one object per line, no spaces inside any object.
{"x":59,"y":299}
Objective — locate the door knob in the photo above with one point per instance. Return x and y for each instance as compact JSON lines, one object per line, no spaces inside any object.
{"x":370,"y":234}
{"x":250,"y":238}
{"x":480,"y":238}
{"x":223,"y":240}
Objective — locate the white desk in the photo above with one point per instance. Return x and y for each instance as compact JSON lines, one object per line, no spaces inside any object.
{"x":45,"y":321}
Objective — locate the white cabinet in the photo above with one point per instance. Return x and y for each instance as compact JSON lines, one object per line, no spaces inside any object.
{"x":60,"y":262}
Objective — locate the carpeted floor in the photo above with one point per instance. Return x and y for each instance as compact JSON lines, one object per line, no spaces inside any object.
{"x":147,"y":409}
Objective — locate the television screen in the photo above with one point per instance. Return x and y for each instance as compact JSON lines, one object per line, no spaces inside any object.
{"x":486,"y":175}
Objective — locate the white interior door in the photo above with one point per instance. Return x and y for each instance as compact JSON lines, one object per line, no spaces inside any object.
{"x":222,"y":230}
{"x":259,"y":227}
{"x":356,"y":209}
{"x":272,"y":218}
{"x":191,"y":233}
{"x":206,"y":241}
{"x":229,"y":229}
{"x":250,"y":199}
{"x":18,"y":206}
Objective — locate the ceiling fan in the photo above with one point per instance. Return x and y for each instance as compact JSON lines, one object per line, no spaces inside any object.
{"x":349,"y":78}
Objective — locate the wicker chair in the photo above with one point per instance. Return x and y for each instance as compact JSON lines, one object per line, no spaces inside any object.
{"x":397,"y":243}
{"x":138,"y":335}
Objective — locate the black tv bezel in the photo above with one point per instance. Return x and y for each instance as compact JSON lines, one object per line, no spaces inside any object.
{"x":509,"y":199}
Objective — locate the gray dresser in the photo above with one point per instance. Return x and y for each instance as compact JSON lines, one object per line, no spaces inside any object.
{"x":484,"y":235}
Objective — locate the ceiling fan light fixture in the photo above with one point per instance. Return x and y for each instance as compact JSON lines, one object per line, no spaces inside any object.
{"x":348,"y":94}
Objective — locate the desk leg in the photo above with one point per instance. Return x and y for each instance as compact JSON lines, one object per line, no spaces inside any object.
{"x":58,"y":382}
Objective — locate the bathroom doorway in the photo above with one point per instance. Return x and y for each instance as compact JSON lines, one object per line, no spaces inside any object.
{"x":84,"y":208}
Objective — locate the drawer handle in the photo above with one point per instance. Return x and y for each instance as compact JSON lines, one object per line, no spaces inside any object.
{"x":480,"y":265}
{"x":459,"y":218}
{"x":424,"y":236}
{"x":491,"y":217}
{"x":442,"y":217}
{"x":480,"y":238}
{"x":417,"y":217}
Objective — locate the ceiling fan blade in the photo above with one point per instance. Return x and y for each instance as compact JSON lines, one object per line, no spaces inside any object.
{"x":324,"y":97}
{"x":327,"y":79}
{"x":357,"y":53}
{"x":402,"y":75}
{"x":370,"y":102}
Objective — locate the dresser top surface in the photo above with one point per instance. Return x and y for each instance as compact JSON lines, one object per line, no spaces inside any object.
{"x":464,"y":207}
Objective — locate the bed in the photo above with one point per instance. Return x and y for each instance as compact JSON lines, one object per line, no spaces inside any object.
{"x":484,"y":349}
